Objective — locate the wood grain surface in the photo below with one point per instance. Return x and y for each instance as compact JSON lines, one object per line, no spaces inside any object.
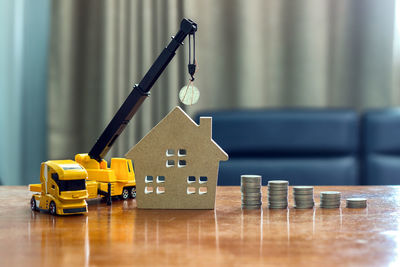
{"x":124,"y":235}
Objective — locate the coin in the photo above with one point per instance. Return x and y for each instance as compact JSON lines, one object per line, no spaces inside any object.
{"x":251,"y":185}
{"x":250,"y":189}
{"x":356,"y":199}
{"x":277,"y":196}
{"x":250,"y":176}
{"x":244,"y":199}
{"x":303,"y":187}
{"x":330,"y":193}
{"x":356,"y":203}
{"x":189,"y":94}
{"x":250,"y":179}
{"x":278,"y":182}
{"x":303,"y":197}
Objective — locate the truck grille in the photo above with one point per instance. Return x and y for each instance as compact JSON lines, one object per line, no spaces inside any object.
{"x":74,"y":210}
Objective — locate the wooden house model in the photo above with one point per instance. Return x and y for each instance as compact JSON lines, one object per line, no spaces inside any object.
{"x":176,"y":164}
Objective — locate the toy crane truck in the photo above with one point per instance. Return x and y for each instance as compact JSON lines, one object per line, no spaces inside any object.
{"x":66,"y":184}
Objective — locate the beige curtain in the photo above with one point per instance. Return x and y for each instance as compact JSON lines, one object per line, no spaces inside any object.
{"x":99,"y":50}
{"x":251,"y":54}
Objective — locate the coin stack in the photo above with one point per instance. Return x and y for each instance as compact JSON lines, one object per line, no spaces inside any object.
{"x":303,"y":197}
{"x":278,"y":194}
{"x":330,"y":200}
{"x":251,"y":191}
{"x":356,"y":203}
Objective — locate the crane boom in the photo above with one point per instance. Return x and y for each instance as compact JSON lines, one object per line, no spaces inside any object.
{"x":139,"y":93}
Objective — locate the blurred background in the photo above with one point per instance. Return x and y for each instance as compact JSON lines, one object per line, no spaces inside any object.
{"x":66,"y":66}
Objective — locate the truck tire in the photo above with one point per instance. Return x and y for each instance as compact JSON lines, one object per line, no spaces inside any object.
{"x":52,"y":208}
{"x":33,"y":204}
{"x":132,"y":192}
{"x":125,"y":193}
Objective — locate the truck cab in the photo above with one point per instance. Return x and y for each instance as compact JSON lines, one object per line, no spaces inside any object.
{"x":62,"y":188}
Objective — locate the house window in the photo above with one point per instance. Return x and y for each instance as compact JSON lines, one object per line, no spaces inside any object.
{"x":203,"y":179}
{"x":202,"y":190}
{"x":191,"y":179}
{"x":191,"y":190}
{"x":181,"y":163}
{"x":170,"y":152}
{"x":182,"y":152}
{"x":170,"y":163}
{"x":148,"y":179}
{"x":160,"y":190}
{"x":160,"y":179}
{"x":148,"y":189}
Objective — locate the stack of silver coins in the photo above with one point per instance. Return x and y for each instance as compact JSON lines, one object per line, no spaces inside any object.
{"x":251,"y":191}
{"x":278,"y":194}
{"x":303,"y":197}
{"x":330,"y":200}
{"x":356,"y":203}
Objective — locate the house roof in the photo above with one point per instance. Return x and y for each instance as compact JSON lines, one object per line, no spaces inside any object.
{"x":177,"y":119}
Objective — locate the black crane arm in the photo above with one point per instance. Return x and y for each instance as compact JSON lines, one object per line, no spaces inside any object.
{"x":139,"y":93}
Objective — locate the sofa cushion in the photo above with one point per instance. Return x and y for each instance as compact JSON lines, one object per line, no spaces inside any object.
{"x":381,"y":131}
{"x":382,"y":170}
{"x":381,"y":147}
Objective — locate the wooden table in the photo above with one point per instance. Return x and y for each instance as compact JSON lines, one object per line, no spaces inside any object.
{"x":124,"y":235}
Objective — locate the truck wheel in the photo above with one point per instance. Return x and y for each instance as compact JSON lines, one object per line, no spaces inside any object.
{"x":52,"y":208}
{"x":33,"y":204}
{"x":133,"y":192}
{"x":125,"y":193}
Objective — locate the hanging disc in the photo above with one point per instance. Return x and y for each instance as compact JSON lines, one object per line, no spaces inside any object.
{"x":189,"y":94}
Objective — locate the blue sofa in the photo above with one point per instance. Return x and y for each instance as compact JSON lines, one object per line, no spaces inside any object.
{"x":304,"y":146}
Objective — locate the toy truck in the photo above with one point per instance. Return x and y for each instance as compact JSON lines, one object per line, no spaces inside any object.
{"x":62,"y":188}
{"x":118,"y":180}
{"x":91,"y":168}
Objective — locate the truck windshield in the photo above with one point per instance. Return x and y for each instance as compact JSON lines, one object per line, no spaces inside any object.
{"x":69,"y":185}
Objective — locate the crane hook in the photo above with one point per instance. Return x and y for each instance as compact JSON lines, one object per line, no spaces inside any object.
{"x":189,"y":94}
{"x":192,"y":63}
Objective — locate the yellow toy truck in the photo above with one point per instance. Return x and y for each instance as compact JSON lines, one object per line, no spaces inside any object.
{"x":62,"y":188}
{"x":116,"y":181}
